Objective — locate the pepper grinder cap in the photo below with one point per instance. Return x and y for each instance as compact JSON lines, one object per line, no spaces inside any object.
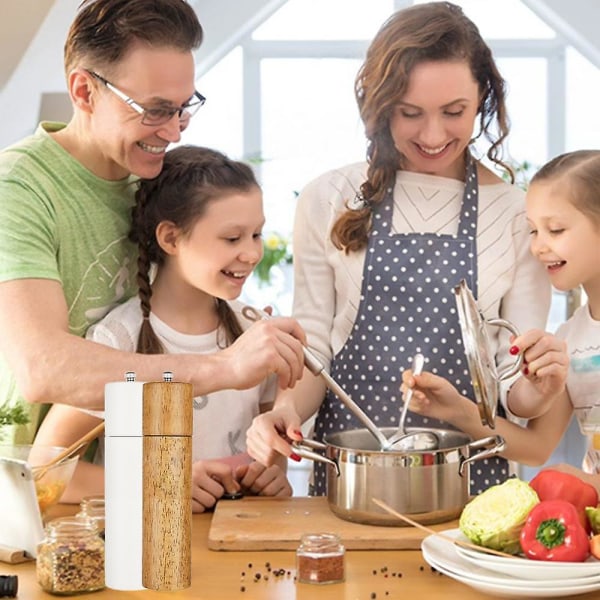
{"x":167,"y":408}
{"x":123,"y":407}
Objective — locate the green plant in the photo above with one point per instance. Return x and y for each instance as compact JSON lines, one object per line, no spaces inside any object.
{"x":13,"y":415}
{"x":523,"y":171}
{"x":276,"y":251}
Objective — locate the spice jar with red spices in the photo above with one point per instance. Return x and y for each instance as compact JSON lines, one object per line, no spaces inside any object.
{"x":320,"y":558}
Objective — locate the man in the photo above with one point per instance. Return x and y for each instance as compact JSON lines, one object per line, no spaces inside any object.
{"x":65,"y":199}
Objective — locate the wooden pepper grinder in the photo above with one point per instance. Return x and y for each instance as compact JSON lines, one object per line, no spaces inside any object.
{"x":167,"y":484}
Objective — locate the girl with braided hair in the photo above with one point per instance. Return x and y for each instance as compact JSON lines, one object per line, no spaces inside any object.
{"x":198,"y":228}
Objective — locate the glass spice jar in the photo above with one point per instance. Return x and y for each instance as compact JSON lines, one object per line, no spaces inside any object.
{"x":92,"y":507}
{"x":70,"y":559}
{"x":320,"y":558}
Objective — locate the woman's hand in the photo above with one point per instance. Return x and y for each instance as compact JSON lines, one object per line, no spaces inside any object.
{"x":259,"y":480}
{"x":267,"y":437}
{"x":210,"y":480}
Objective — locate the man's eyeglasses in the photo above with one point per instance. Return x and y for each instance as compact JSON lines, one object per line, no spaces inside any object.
{"x":156,"y":116}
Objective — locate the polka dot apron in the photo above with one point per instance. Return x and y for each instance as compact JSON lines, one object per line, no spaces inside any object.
{"x":407,"y":306}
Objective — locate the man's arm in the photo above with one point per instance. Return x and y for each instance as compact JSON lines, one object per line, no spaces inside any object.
{"x":52,"y":365}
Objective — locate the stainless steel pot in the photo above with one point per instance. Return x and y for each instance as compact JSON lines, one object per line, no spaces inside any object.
{"x":429,"y":484}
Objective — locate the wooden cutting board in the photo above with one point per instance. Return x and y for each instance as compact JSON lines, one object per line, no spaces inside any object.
{"x":257,"y":523}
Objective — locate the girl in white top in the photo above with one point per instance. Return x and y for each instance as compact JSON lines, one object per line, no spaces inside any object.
{"x":563,"y":211}
{"x":199,"y":223}
{"x":380,"y":246}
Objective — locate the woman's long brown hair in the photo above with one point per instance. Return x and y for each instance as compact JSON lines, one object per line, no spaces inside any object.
{"x":435,"y":31}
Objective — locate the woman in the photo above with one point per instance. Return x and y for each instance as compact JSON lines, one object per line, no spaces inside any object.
{"x":379,"y":247}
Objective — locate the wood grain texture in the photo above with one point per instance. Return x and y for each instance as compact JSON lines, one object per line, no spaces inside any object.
{"x":167,"y":486}
{"x":257,"y":523}
{"x":168,"y":408}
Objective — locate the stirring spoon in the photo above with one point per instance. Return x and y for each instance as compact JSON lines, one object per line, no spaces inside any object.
{"x":313,"y":364}
{"x":401,"y":433}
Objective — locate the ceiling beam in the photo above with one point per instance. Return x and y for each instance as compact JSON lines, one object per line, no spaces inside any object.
{"x":19,"y":22}
{"x":225,"y":24}
{"x":576,"y":21}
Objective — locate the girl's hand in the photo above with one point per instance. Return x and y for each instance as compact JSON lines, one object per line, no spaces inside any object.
{"x":210,"y":480}
{"x":263,"y":481}
{"x":267,"y":437}
{"x":545,"y":358}
{"x":545,"y":368}
{"x":433,"y":396}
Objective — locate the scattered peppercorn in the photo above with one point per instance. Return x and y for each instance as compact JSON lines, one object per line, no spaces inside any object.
{"x":373,"y":595}
{"x":242,"y":589}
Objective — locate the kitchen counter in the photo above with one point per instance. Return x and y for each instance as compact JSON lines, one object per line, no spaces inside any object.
{"x":219,"y":575}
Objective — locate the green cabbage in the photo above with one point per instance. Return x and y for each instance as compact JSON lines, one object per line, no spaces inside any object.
{"x":495,"y":517}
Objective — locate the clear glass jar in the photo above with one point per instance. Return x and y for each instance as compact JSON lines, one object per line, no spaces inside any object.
{"x":320,"y":558}
{"x":70,"y":559}
{"x":92,"y":507}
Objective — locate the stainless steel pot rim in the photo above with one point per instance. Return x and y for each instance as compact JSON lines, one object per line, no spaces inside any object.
{"x":457,"y":439}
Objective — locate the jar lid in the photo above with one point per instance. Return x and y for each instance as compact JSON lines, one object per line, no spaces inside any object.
{"x":320,"y":542}
{"x":71,"y":527}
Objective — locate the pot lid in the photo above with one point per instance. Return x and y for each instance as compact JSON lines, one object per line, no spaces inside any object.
{"x":479,"y":357}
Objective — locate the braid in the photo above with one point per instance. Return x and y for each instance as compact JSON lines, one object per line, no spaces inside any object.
{"x":351,"y":231}
{"x":229,"y":321}
{"x":148,"y":342}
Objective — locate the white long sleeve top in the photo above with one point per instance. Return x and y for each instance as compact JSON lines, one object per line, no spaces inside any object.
{"x":512,"y":284}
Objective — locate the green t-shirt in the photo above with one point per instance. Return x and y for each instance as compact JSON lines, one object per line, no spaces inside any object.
{"x":60,"y":221}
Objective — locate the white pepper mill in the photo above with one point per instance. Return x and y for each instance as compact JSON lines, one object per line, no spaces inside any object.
{"x":123,"y":465}
{"x":167,"y":484}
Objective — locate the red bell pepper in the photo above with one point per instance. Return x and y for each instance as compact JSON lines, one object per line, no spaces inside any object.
{"x":550,"y":484}
{"x":553,"y":531}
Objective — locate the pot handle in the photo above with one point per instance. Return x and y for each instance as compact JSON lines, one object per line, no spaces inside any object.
{"x":492,"y":445}
{"x":516,"y":367}
{"x":304,"y":450}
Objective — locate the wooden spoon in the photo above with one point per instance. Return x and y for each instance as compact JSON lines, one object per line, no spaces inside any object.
{"x":408,"y":520}
{"x":41,"y":470}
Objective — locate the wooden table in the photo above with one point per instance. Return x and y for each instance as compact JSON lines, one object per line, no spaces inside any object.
{"x":381,"y":574}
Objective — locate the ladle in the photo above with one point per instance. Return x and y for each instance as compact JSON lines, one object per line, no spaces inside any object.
{"x":401,"y":433}
{"x":316,"y":368}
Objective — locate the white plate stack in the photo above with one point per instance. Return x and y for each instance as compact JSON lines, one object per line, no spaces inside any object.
{"x":509,"y":577}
